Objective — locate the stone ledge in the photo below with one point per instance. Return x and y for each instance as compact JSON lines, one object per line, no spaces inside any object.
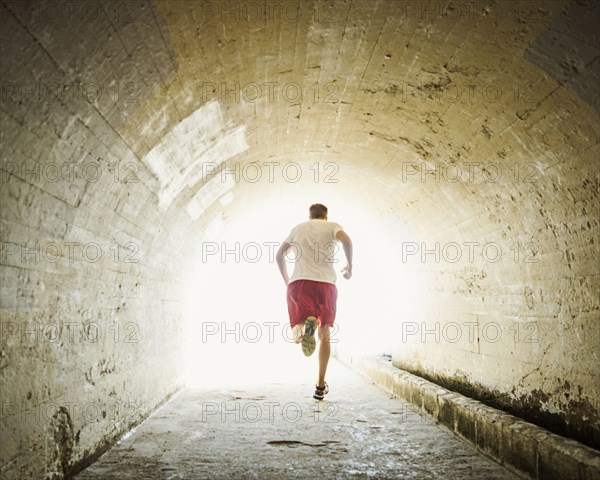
{"x":523,"y":447}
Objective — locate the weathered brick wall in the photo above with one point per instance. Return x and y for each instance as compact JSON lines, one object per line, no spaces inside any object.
{"x":91,"y":268}
{"x":134,"y":99}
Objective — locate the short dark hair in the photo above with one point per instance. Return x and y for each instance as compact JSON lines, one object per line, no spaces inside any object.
{"x":318,"y":211}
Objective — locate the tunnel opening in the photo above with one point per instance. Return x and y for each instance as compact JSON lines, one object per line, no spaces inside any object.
{"x":235,"y":299}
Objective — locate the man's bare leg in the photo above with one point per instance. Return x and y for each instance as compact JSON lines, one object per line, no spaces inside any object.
{"x":324,"y":352}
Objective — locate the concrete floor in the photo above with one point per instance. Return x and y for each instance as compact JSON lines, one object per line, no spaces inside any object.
{"x":277,"y":431}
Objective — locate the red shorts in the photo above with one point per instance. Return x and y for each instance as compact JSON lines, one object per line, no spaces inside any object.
{"x":307,"y":298}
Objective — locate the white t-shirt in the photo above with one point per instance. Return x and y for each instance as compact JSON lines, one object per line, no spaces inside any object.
{"x":314,"y":246}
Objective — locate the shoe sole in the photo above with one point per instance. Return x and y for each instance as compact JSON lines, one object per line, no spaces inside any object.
{"x":309,"y":343}
{"x":316,"y":396}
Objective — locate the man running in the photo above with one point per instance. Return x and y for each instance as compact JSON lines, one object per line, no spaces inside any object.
{"x":311,"y":291}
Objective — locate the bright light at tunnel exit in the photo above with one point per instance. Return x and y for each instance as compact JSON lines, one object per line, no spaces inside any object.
{"x":236,"y":322}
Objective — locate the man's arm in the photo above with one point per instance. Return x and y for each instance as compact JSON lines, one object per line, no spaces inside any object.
{"x":279,"y":257}
{"x":347,"y":244}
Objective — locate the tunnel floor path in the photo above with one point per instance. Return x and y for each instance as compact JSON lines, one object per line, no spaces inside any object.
{"x":277,"y":431}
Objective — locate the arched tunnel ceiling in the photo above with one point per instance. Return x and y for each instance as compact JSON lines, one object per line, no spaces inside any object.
{"x":148,"y":93}
{"x":355,"y":83}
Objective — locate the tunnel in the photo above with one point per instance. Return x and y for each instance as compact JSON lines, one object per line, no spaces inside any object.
{"x":155,"y":154}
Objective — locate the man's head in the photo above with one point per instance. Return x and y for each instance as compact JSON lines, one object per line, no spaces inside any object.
{"x":318,"y":211}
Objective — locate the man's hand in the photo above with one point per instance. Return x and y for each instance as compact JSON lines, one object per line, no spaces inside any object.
{"x":347,"y":244}
{"x":279,"y":257}
{"x":347,"y":272}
